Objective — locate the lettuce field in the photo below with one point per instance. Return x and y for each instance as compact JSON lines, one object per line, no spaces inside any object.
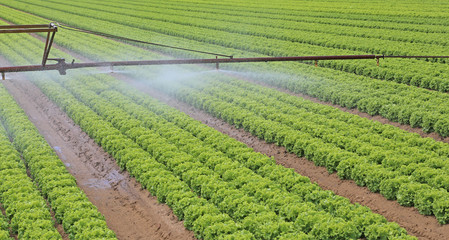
{"x":338,"y":149}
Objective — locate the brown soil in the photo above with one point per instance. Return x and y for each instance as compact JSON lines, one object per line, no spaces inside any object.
{"x":132,"y":213}
{"x":424,"y":227}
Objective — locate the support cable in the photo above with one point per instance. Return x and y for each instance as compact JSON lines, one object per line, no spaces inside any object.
{"x":102,"y":34}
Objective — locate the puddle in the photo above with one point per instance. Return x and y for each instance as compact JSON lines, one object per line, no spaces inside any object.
{"x":115,"y":176}
{"x":59,"y":152}
{"x":98,"y":183}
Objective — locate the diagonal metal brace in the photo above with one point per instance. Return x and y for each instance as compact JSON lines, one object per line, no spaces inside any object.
{"x":49,"y":43}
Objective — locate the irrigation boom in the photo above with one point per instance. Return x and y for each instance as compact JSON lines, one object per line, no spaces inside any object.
{"x":62,"y":66}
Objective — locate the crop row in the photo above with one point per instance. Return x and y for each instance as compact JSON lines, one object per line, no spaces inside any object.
{"x":354,"y":153}
{"x":4,"y":228}
{"x":24,"y":206}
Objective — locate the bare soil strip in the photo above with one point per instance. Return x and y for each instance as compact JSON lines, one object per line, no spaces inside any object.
{"x":424,"y":227}
{"x":132,"y":213}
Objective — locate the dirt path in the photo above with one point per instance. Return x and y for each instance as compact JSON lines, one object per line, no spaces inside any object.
{"x":424,"y":227}
{"x":132,"y":213}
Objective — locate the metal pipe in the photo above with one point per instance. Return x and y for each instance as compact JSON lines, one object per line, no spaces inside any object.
{"x":44,"y":60}
{"x":24,"y":26}
{"x":414,"y":56}
{"x":61,"y":66}
{"x":47,"y":50}
{"x":29,"y":30}
{"x":64,"y":65}
{"x":217,"y":65}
